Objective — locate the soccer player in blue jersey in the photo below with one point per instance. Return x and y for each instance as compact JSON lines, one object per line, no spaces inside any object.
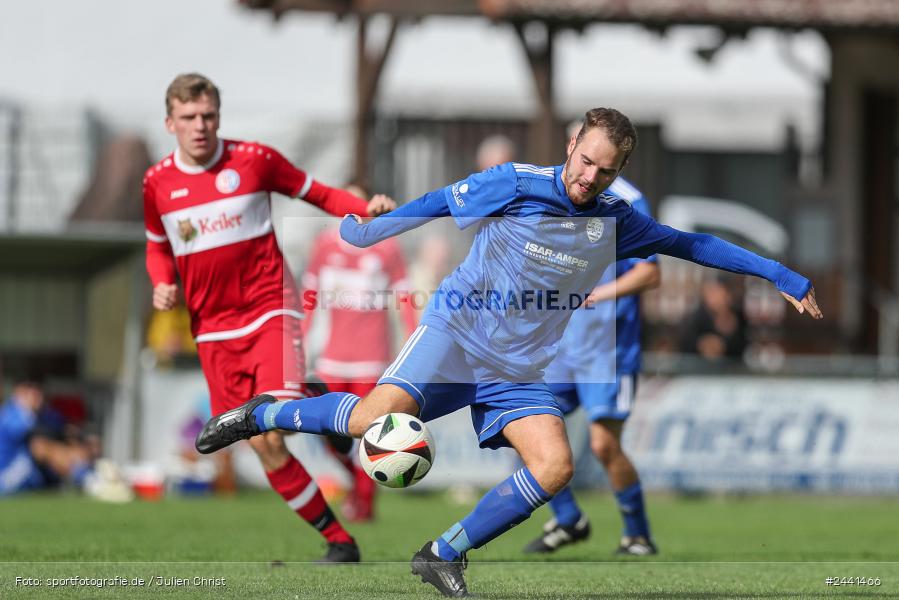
{"x":495,"y":323}
{"x":580,"y":376}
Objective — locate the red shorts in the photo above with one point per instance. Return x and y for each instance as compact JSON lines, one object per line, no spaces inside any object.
{"x":267,"y":361}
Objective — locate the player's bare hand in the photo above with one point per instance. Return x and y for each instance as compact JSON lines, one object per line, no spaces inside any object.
{"x":599,"y":294}
{"x":359,"y":220}
{"x":165,"y":295}
{"x":807,"y":304}
{"x":380,"y":204}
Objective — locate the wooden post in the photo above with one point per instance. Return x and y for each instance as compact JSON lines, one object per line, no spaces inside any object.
{"x":369,"y":66}
{"x":545,"y":137}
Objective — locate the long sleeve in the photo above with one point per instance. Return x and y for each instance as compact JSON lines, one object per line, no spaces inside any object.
{"x":160,"y":263}
{"x":160,"y":259}
{"x":641,"y":236}
{"x":335,"y":201}
{"x":279,"y":175}
{"x":408,"y":216}
{"x":710,"y":251}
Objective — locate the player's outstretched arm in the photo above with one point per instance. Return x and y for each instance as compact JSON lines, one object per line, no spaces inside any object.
{"x":356,"y":231}
{"x":640,"y":236}
{"x":711,"y":251}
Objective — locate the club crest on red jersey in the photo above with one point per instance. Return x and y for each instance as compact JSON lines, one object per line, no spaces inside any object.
{"x":227,"y":181}
{"x":186,"y":230}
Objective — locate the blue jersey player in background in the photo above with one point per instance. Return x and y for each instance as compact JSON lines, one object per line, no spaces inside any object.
{"x":496,"y":321}
{"x":580,"y":376}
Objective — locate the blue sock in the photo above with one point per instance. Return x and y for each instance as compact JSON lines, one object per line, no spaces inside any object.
{"x":630,"y":503}
{"x":565,"y":508}
{"x":501,"y":509}
{"x":80,"y":471}
{"x":325,"y":414}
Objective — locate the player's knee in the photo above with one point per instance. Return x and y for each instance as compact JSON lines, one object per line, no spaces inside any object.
{"x":554,"y":470}
{"x":38,"y":448}
{"x":606,"y":449}
{"x":564,"y":474}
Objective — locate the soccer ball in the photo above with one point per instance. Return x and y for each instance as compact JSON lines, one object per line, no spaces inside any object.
{"x":396,"y":450}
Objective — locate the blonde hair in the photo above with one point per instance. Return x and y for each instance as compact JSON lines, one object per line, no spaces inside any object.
{"x":190,"y":86}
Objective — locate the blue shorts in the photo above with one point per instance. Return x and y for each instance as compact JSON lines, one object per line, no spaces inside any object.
{"x":600,"y":400}
{"x":435,"y":370}
{"x":20,"y":474}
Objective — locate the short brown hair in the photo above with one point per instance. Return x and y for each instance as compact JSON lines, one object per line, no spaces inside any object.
{"x":190,"y":86}
{"x":617,"y":126}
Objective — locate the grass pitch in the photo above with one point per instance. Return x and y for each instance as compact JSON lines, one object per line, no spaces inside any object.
{"x":753,"y":547}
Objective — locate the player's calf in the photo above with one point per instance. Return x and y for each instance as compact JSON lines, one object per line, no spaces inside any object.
{"x":271,"y":449}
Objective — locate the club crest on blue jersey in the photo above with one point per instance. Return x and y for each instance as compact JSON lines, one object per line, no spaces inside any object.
{"x":595,"y":227}
{"x":227,"y":181}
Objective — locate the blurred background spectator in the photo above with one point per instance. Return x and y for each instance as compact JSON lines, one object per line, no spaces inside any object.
{"x":716,"y":330}
{"x":495,"y":150}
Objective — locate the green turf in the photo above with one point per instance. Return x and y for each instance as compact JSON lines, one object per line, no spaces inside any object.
{"x":755,"y":547}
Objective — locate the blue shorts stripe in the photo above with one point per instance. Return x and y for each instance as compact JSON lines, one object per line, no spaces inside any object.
{"x":404,"y":353}
{"x":503,"y":414}
{"x":625,"y":398}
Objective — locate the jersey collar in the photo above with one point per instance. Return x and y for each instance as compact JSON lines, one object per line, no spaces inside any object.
{"x":195,"y":169}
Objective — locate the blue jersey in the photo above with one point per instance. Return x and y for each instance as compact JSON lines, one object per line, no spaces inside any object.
{"x":532,"y":265}
{"x":585,"y":338}
{"x":543,"y":248}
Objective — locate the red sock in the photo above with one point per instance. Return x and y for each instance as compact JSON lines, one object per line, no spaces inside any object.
{"x":302,"y":495}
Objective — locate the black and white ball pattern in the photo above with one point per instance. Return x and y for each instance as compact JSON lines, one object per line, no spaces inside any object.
{"x":397,"y":450}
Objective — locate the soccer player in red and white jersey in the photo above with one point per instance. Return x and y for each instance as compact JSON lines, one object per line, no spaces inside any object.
{"x":356,"y":286}
{"x":207,"y":213}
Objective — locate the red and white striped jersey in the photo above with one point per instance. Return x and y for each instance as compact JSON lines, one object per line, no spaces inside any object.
{"x":358,"y":285}
{"x":213,"y":222}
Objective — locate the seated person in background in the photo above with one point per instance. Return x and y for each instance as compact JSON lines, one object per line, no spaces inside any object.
{"x":31,"y":457}
{"x":717,"y":328}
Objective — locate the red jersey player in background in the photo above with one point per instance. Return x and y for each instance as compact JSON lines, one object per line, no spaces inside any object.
{"x":207,"y":213}
{"x":356,"y":286}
